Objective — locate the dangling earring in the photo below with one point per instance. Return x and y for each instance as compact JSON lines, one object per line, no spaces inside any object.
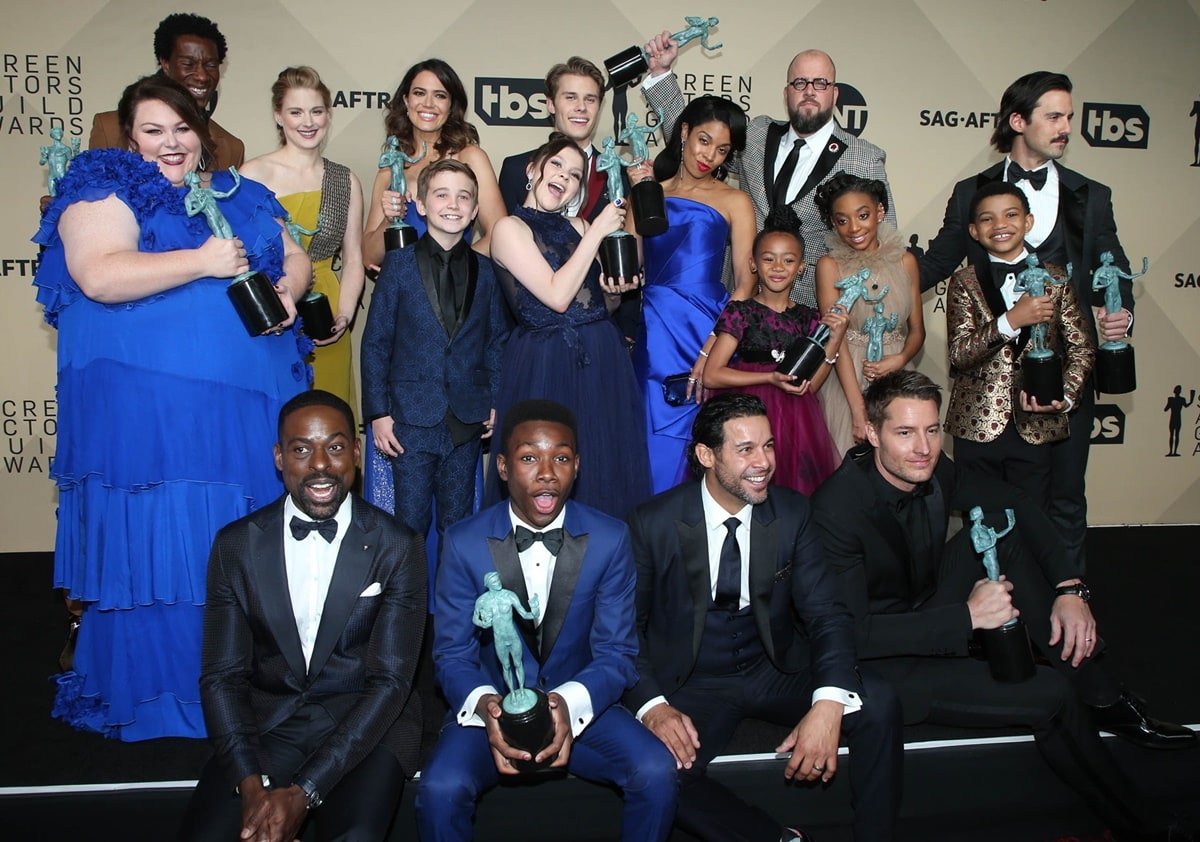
{"x":528,"y":185}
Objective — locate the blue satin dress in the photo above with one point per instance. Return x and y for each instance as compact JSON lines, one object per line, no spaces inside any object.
{"x":681,"y":302}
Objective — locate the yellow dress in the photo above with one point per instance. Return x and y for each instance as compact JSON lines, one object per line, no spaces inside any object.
{"x":333,"y":365}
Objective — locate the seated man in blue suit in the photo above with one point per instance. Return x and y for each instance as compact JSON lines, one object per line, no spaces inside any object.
{"x":577,"y":563}
{"x":431,"y":354}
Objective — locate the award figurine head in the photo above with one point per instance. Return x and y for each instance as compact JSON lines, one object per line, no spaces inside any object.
{"x":984,"y":539}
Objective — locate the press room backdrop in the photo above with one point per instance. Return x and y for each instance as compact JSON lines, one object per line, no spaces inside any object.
{"x":922,"y":79}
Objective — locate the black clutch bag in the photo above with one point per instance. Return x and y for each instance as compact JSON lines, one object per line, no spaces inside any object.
{"x":675,"y":388}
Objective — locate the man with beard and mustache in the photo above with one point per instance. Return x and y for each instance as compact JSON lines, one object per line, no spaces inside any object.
{"x":314,"y":618}
{"x":189,"y":49}
{"x":739,"y":616}
{"x":1073,"y":225}
{"x":784,"y":162}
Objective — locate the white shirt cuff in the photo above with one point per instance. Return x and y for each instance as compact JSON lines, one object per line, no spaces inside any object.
{"x":650,"y":81}
{"x":1006,"y":330}
{"x":645,"y":709}
{"x":851,"y":701}
{"x":579,"y":705}
{"x":466,"y":714}
{"x":1070,"y":405}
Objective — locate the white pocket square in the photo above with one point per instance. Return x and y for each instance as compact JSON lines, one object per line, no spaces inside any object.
{"x":373,"y":589}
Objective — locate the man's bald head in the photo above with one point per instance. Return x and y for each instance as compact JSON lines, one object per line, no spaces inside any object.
{"x":809,"y":58}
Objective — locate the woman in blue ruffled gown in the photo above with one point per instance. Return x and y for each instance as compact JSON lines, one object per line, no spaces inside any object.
{"x":565,"y":347}
{"x":166,"y":407}
{"x":684,"y":292}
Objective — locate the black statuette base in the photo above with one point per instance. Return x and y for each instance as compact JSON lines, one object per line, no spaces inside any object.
{"x":530,"y":731}
{"x":316,"y":314}
{"x":625,"y":67}
{"x":649,"y":208}
{"x":1043,"y":378}
{"x":257,"y":303}
{"x":1010,"y":659}
{"x":1115,"y":371}
{"x":619,"y":257}
{"x":399,"y":237}
{"x":803,"y":359}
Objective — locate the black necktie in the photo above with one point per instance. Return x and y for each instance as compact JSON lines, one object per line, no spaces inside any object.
{"x":914,"y":517}
{"x":301,"y":528}
{"x":729,"y":570}
{"x":445,"y":289}
{"x":784,"y":179}
{"x":1036,"y":179}
{"x":552,"y":538}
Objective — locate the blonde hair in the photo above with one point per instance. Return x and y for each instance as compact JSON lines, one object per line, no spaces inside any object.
{"x":297,"y":77}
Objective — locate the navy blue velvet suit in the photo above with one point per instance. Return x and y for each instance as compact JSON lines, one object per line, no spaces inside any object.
{"x":587,"y":635}
{"x":418,"y":370}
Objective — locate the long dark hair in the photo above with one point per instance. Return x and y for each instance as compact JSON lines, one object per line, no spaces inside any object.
{"x":701,"y":110}
{"x":456,"y":132}
{"x":172,"y":94}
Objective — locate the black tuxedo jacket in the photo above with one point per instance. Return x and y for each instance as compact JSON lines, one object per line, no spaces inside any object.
{"x":1085,"y":211}
{"x":253,"y":675}
{"x":798,"y":610}
{"x":866,"y":546}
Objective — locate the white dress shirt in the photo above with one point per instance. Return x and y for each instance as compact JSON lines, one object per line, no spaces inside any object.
{"x":309,"y":565}
{"x":1009,"y":293}
{"x":806,"y":161}
{"x":537,"y":566}
{"x":715,"y":516}
{"x":1043,"y":204}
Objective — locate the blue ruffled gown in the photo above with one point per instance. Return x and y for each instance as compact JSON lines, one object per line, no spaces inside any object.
{"x":681,"y":302}
{"x":578,"y":359}
{"x":167,"y":413}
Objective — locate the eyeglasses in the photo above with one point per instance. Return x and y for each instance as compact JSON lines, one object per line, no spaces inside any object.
{"x":800,"y":83}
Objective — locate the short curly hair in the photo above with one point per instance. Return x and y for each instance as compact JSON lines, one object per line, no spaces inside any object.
{"x":183,"y":23}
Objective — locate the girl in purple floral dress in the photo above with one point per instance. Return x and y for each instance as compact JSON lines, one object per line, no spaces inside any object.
{"x":752,"y":337}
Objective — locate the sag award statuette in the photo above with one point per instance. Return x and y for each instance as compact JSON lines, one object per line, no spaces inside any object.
{"x":806,"y":355}
{"x":252,"y":293}
{"x":645,"y":197}
{"x":58,"y":156}
{"x":1115,"y":372}
{"x":1041,"y":369}
{"x":626,"y":66}
{"x":399,"y":234}
{"x":316,"y":316}
{"x":525,"y":719}
{"x":618,"y":251}
{"x":1009,"y":656}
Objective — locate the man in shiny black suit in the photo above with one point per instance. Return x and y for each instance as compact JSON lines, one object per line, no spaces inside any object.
{"x":315,"y":611}
{"x":1073,"y":225}
{"x":739,"y":616}
{"x":917,"y":599}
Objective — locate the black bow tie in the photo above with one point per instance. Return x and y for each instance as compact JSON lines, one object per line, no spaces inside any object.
{"x":1036,"y":179}
{"x":552,"y":538}
{"x":301,"y":528}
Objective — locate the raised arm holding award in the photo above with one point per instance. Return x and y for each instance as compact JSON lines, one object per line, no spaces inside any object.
{"x":626,"y":66}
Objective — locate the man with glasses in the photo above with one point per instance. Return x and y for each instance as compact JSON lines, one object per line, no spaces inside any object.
{"x":783,"y":162}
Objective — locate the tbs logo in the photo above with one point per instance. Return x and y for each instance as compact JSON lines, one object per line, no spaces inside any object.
{"x":851,"y":109}
{"x":1115,"y":125}
{"x":1108,"y":424}
{"x":503,"y":101}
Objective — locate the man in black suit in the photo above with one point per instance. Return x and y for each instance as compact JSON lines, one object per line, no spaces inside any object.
{"x":739,"y":616}
{"x":316,"y":607}
{"x":917,"y":599}
{"x":1073,"y":225}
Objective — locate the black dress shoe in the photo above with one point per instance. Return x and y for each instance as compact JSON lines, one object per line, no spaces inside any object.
{"x":794,"y":834}
{"x":1127,"y":718}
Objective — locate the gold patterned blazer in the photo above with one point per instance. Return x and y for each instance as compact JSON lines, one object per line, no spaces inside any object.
{"x":986,"y":367}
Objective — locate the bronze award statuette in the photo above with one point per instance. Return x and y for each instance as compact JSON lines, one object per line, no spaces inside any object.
{"x":1041,"y":367}
{"x":618,"y":251}
{"x":1010,"y":658}
{"x":1115,"y":370}
{"x":399,"y":234}
{"x":646,"y":198}
{"x":525,"y":719}
{"x":252,"y":293}
{"x":628,"y":65}
{"x":806,"y":355}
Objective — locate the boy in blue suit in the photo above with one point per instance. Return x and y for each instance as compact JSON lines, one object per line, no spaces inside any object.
{"x":577,"y":562}
{"x":431,"y":354}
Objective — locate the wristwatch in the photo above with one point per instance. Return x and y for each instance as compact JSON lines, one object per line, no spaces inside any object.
{"x":1079,"y":589}
{"x":310,"y":790}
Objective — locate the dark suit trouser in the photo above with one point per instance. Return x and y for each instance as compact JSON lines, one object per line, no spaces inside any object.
{"x":961,"y":691}
{"x":1010,"y":458}
{"x":1068,"y":494}
{"x":614,"y":749}
{"x":716,"y":704}
{"x":359,"y":808}
{"x":430,"y":468}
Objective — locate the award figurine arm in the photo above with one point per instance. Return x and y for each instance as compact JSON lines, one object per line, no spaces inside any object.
{"x":1010,"y":658}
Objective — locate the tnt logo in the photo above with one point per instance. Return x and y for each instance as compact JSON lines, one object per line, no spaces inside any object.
{"x":1108,"y":424}
{"x":1115,"y":125}
{"x":851,"y":109}
{"x":503,"y":101}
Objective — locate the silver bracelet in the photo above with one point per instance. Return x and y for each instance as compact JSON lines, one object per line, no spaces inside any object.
{"x":834,"y":360}
{"x":704,"y":353}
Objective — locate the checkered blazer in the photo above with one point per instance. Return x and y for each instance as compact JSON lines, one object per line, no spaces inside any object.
{"x":755,"y":168}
